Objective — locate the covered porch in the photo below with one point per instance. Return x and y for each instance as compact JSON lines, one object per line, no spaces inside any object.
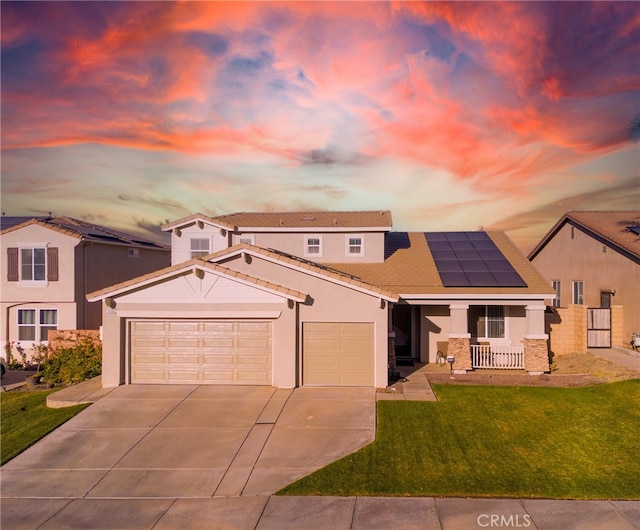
{"x":488,"y":333}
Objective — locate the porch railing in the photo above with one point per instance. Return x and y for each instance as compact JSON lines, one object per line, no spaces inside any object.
{"x":497,"y":357}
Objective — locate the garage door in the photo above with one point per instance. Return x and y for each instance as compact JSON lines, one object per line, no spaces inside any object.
{"x":200,"y":352}
{"x":337,"y":353}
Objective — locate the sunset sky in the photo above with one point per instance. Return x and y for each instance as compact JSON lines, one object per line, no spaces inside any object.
{"x":451,"y":115}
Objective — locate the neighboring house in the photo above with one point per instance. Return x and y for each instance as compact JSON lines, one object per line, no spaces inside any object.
{"x":48,"y":266}
{"x":321,"y":298}
{"x":592,"y":259}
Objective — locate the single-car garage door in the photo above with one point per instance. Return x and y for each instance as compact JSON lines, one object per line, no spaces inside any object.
{"x":337,"y":353}
{"x":200,"y":352}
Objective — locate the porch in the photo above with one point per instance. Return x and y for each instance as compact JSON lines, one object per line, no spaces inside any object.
{"x":509,"y":335}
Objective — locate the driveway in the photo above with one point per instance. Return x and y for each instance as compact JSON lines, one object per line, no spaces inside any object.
{"x":180,"y":441}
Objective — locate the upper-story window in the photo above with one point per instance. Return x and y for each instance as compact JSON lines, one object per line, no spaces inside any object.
{"x":578,"y":292}
{"x":355,"y":245}
{"x":200,"y":247}
{"x":32,"y":264}
{"x":313,"y":246}
{"x":246,"y":239}
{"x":556,"y":287}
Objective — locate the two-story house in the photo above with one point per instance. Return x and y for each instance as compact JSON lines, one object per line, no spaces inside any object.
{"x":592,"y":259}
{"x":48,"y":266}
{"x":321,"y":298}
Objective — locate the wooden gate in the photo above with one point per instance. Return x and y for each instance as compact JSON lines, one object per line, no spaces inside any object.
{"x":598,"y":327}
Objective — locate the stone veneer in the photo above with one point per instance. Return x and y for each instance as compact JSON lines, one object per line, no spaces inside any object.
{"x":460,"y":348}
{"x":536,"y":356}
{"x":68,"y":338}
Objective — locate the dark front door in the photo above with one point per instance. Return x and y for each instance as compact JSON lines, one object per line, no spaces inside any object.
{"x":605,"y":299}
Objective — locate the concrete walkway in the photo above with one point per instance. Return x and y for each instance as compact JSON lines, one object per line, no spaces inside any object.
{"x":316,"y":513}
{"x":622,"y":356}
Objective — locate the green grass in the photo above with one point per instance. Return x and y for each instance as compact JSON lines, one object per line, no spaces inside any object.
{"x":481,"y":441}
{"x":25,"y":419}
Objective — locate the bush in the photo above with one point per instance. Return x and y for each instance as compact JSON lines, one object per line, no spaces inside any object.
{"x":74,"y":364}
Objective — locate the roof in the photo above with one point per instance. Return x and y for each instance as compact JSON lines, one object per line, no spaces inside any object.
{"x":379,"y":220}
{"x":82,"y":230}
{"x":195,"y":263}
{"x":9,"y":222}
{"x":332,"y":274}
{"x":410,"y":270}
{"x":611,"y":227}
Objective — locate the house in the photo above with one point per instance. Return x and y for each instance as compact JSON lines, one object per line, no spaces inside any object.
{"x":321,"y":298}
{"x":48,"y":266}
{"x":592,"y":259}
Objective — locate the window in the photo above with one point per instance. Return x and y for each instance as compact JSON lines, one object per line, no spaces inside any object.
{"x":26,"y":324}
{"x":487,"y":321}
{"x":33,"y":264}
{"x":34,"y":329}
{"x":313,"y":246}
{"x":578,"y":290}
{"x":556,"y":287}
{"x":133,"y":252}
{"x":246,"y":239}
{"x":355,"y":245}
{"x":48,"y":321}
{"x":199,"y":247}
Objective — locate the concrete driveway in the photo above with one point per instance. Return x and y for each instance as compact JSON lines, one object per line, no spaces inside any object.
{"x":180,"y":441}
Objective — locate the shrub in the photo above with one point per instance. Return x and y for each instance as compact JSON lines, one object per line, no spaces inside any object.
{"x":74,"y":364}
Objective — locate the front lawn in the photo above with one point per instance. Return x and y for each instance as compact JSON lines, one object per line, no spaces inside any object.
{"x":480,"y":441}
{"x":25,"y":419}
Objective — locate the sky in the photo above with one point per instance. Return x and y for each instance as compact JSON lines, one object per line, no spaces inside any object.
{"x":454,"y":116}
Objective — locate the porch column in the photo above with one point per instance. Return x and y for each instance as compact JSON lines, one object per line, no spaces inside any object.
{"x":459,"y":338}
{"x":536,"y":350}
{"x":391,"y":343}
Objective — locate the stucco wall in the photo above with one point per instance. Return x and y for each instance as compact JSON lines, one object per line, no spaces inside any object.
{"x":328,"y":303}
{"x":181,"y":240}
{"x":579,"y":256}
{"x":183,"y":298}
{"x":334,"y":245}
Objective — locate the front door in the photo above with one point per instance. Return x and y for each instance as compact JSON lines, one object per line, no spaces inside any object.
{"x":605,"y":299}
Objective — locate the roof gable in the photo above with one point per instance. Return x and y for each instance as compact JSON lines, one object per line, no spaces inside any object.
{"x":87,"y":231}
{"x":199,"y":267}
{"x":334,"y":275}
{"x":610,"y":227}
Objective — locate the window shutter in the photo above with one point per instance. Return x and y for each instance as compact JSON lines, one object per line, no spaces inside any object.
{"x":12,"y":265}
{"x":52,"y":264}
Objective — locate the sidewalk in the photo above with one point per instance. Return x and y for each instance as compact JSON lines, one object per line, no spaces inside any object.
{"x":622,"y":356}
{"x":316,"y":513}
{"x":86,"y":392}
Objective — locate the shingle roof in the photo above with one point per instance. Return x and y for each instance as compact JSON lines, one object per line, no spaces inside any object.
{"x":409,"y":269}
{"x":611,"y":226}
{"x":125,"y":286}
{"x":86,"y":231}
{"x":379,"y":219}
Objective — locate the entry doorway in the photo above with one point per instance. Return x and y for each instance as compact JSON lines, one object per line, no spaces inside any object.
{"x":405,"y":324}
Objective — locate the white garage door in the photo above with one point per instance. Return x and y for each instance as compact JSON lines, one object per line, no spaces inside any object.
{"x":337,"y":353}
{"x":200,"y":352}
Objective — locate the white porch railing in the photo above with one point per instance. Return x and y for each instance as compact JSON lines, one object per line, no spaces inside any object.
{"x":497,"y":357}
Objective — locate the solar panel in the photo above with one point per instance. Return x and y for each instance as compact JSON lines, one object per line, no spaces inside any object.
{"x":471,"y":259}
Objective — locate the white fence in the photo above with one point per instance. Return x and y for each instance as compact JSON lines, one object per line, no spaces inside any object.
{"x":497,"y":357}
